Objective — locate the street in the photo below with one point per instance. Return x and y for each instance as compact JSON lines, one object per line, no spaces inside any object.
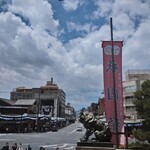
{"x":65,"y":138}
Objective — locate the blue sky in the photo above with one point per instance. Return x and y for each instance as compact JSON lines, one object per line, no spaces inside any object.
{"x":44,"y":38}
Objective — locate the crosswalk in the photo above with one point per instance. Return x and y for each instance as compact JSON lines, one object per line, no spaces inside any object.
{"x":67,"y":132}
{"x":65,"y":146}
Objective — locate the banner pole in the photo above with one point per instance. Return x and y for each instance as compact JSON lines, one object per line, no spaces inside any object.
{"x":114,"y":86}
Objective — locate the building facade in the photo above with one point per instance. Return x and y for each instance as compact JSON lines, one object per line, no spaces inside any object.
{"x":50,"y":99}
{"x":101,"y":104}
{"x":132,"y":83}
{"x":70,"y":114}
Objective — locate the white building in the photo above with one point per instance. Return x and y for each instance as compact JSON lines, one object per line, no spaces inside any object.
{"x":50,"y":99}
{"x":134,"y":79}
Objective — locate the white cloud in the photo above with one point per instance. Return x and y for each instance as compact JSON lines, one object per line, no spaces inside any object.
{"x":104,"y":8}
{"x":23,"y":48}
{"x":131,"y":8}
{"x":71,"y":5}
{"x":137,"y":49}
{"x":88,"y":27}
{"x":30,"y":54}
{"x":39,"y":13}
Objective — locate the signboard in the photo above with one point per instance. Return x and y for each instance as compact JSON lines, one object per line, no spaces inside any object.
{"x":108,"y":86}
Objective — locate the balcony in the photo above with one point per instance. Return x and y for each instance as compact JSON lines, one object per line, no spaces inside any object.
{"x":128,"y":104}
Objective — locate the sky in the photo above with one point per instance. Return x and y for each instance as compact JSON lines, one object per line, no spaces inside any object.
{"x":40,"y":39}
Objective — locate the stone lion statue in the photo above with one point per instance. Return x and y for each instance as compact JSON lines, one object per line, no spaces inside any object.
{"x":95,"y":126}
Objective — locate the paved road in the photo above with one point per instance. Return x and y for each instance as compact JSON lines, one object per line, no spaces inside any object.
{"x":65,"y":138}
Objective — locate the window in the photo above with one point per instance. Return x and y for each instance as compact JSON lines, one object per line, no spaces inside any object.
{"x":130,"y":89}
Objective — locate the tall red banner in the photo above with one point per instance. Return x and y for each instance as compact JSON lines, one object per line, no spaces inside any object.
{"x":108,"y":86}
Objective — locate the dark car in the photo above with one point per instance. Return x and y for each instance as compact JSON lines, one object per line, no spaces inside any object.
{"x":79,"y":129}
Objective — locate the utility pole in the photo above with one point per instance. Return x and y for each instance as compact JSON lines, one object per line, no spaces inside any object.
{"x":114,"y":86}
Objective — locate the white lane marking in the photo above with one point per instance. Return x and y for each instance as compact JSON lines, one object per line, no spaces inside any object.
{"x":7,"y":139}
{"x":64,"y":146}
{"x":73,"y":131}
{"x":55,"y":145}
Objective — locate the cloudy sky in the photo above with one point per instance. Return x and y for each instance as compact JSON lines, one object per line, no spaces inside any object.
{"x":40,"y":39}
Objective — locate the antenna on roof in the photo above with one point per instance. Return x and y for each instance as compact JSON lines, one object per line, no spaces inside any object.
{"x":51,"y":78}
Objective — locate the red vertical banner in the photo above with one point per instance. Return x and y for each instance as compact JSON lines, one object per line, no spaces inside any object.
{"x":108,"y":86}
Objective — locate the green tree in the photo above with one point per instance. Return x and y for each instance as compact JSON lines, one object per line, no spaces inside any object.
{"x":142,"y":104}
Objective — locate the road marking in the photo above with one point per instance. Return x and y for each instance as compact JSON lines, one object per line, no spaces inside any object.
{"x":54,"y":145}
{"x":73,"y":131}
{"x":64,"y":146}
{"x":7,"y":139}
{"x":71,"y":148}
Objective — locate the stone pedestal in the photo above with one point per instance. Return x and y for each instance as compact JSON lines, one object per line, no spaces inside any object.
{"x":94,"y":146}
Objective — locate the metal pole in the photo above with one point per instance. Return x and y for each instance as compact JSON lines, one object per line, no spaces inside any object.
{"x":38,"y":110}
{"x":39,"y":107}
{"x":114,"y":86}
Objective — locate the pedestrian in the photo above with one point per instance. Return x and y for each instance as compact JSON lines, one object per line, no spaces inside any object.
{"x":29,"y":148}
{"x":6,"y":147}
{"x":42,"y":148}
{"x":20,"y":147}
{"x":15,"y":147}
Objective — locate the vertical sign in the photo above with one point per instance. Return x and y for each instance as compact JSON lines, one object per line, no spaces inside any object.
{"x":108,"y":86}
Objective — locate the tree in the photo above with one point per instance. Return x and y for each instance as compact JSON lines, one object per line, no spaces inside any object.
{"x":142,"y":104}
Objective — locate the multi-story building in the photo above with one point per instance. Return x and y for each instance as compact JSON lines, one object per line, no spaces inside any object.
{"x":50,"y":99}
{"x":70,"y":113}
{"x":134,"y":79}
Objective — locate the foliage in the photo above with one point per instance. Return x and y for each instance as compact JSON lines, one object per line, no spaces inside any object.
{"x":139,"y":134}
{"x":142,"y":104}
{"x":139,"y":146}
